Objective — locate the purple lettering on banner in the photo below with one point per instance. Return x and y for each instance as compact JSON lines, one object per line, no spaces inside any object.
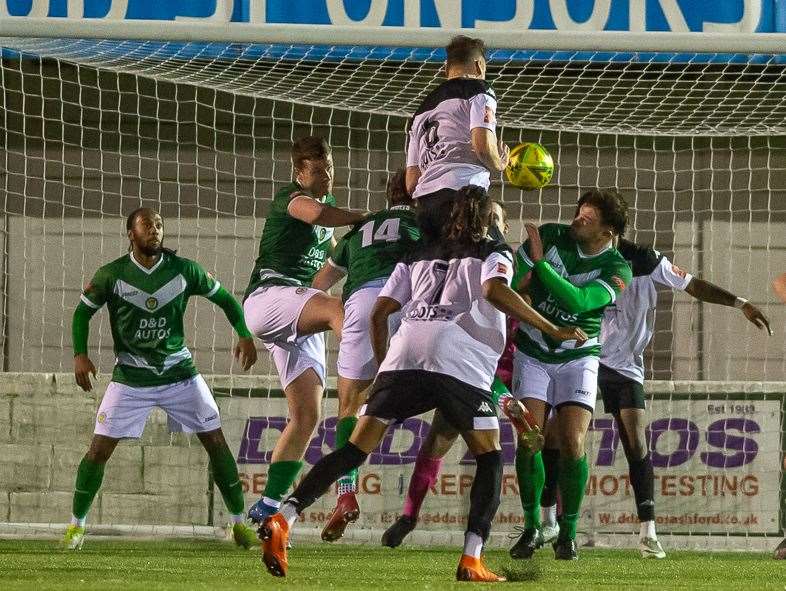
{"x":249,"y":452}
{"x":745,"y":447}
{"x":609,"y":441}
{"x":689,"y":440}
{"x":384,"y":455}
{"x":326,"y":436}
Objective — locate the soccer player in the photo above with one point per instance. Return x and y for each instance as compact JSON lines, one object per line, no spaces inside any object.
{"x":452,"y":137}
{"x":287,"y":314}
{"x":441,"y":435}
{"x":146,"y":293}
{"x":453,"y":297}
{"x":367,"y":255}
{"x":625,"y":332}
{"x":576,"y":273}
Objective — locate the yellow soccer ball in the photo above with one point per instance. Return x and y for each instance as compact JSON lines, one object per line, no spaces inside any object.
{"x":530,"y":166}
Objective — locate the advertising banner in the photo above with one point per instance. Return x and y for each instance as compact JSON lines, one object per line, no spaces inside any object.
{"x":729,"y":16}
{"x":717,"y":468}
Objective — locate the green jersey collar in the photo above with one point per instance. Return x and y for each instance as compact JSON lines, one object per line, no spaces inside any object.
{"x":609,"y":246}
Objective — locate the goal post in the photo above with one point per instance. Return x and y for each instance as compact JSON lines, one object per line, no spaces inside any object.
{"x":196,"y":120}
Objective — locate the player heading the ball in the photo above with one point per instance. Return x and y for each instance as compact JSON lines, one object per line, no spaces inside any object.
{"x":146,"y":292}
{"x":452,"y":137}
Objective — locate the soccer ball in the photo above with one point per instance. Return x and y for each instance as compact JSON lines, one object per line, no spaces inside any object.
{"x":530,"y":166}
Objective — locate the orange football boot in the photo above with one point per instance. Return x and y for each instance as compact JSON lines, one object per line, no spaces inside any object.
{"x":473,"y":570}
{"x":274,"y":533}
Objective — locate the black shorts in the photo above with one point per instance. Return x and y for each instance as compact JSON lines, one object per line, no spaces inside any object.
{"x":619,"y":391}
{"x":398,"y":395}
{"x":433,"y":212}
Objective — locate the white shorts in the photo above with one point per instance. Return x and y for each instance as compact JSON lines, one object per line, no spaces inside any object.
{"x":574,"y":382}
{"x":355,"y":356}
{"x":189,"y":406}
{"x":272,"y":314}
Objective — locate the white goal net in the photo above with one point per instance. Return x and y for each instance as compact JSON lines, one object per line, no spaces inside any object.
{"x":94,"y":125}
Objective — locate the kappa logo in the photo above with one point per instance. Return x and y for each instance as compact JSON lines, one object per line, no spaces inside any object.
{"x":488,"y":116}
{"x":484,"y":407}
{"x":151,"y":303}
{"x":678,"y":272}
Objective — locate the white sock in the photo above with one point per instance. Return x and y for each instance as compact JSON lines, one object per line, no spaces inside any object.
{"x":271,"y":502}
{"x":238,"y":518}
{"x":473,"y":544}
{"x":78,"y":521}
{"x":289,"y":512}
{"x":648,"y":530}
{"x":548,"y":515}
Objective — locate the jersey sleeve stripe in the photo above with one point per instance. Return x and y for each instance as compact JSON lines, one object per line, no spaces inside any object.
{"x":213,"y":291}
{"x":87,"y":302}
{"x":608,"y":287}
{"x":333,"y":263}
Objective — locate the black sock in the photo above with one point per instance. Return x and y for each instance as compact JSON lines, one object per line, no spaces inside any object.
{"x":485,"y":493}
{"x":324,"y":473}
{"x":548,"y":497}
{"x":642,"y":479}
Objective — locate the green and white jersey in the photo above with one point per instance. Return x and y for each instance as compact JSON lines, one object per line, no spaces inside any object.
{"x":146,"y":308}
{"x":607,"y":268}
{"x":290,"y":251}
{"x":371,"y":249}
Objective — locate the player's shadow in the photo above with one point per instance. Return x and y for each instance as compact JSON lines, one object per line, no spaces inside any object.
{"x":528,"y":570}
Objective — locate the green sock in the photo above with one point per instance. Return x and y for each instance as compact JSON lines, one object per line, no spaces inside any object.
{"x":280,"y":476}
{"x":573,"y":476}
{"x":88,"y":481}
{"x":224,"y":470}
{"x":344,"y":428}
{"x":532,"y":476}
{"x":498,"y":389}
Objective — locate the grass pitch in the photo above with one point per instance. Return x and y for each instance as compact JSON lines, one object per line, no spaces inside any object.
{"x":184,"y":565}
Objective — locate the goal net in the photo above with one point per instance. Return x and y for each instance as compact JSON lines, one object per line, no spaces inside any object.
{"x":98,"y":120}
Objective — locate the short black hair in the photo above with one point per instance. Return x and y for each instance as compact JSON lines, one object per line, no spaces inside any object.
{"x":612,"y":207}
{"x":310,"y":147}
{"x":133,"y":215}
{"x":463,"y":50}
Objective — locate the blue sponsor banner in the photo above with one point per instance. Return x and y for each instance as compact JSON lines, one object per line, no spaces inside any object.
{"x":594,"y":15}
{"x":727,"y":16}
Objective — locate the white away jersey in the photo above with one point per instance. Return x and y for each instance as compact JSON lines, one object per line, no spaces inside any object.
{"x":447,"y":326}
{"x":440,"y":142}
{"x":627,"y":325}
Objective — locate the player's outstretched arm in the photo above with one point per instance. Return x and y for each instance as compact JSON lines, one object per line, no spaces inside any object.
{"x":383,"y":308}
{"x":80,"y":330}
{"x":245,"y":350}
{"x":704,"y":291}
{"x":507,"y":301}
{"x":309,"y":210}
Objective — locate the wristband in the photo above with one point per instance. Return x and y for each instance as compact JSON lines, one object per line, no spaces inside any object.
{"x":739,"y":302}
